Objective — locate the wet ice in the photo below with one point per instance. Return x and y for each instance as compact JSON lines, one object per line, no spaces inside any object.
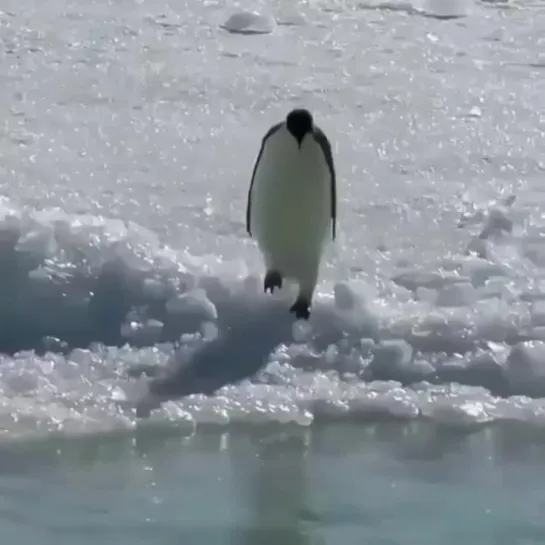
{"x":193,"y":346}
{"x":415,"y":317}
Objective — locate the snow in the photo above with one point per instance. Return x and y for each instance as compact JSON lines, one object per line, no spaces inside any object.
{"x":130,"y":294}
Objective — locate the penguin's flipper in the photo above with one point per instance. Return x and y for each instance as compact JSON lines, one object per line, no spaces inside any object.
{"x":324,"y":143}
{"x":269,"y":133}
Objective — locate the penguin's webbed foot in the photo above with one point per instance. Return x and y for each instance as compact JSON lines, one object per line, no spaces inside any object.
{"x":301,"y":308}
{"x":273,"y":280}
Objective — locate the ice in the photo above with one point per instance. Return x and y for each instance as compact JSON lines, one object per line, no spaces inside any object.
{"x":194,"y":302}
{"x":391,"y":358}
{"x":289,"y":16}
{"x":537,"y":311}
{"x":148,"y":332}
{"x":525,"y":368}
{"x":457,"y":295}
{"x":130,"y":293}
{"x":426,"y":294}
{"x":345,"y":298}
{"x":444,"y":9}
{"x":155,"y":289}
{"x":209,"y":331}
{"x":496,"y":222}
{"x":440,"y":9}
{"x":497,"y":288}
{"x":415,"y":279}
{"x":475,"y":111}
{"x":482,"y":272}
{"x":246,"y":22}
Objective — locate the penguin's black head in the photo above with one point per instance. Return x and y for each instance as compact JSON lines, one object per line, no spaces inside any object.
{"x":299,"y":123}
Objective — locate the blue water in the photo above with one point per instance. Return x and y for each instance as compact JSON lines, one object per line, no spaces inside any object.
{"x":385,"y":484}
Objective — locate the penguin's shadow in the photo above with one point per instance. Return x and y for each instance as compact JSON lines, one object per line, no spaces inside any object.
{"x":248,"y":332}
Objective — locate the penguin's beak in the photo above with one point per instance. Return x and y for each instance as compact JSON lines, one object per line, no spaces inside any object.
{"x":300,"y":130}
{"x":301,"y":137}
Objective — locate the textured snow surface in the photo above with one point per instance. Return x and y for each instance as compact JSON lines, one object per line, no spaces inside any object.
{"x":127,"y":283}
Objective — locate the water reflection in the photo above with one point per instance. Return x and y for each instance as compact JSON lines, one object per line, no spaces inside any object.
{"x":384,"y":483}
{"x":272,"y":479}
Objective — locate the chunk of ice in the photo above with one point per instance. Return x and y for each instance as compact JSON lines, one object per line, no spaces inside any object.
{"x":247,"y":22}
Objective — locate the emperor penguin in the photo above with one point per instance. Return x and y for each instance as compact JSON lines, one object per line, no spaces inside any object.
{"x":292,"y":204}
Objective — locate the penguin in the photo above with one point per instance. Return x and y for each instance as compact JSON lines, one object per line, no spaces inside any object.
{"x":292,"y":204}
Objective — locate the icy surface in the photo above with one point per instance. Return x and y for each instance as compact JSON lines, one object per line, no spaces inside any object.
{"x":246,"y":22}
{"x":128,"y":285}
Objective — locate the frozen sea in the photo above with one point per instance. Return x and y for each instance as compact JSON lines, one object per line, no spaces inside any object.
{"x":150,"y":393}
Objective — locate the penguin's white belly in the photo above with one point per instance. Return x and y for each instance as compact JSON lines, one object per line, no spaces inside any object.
{"x":291,"y":207}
